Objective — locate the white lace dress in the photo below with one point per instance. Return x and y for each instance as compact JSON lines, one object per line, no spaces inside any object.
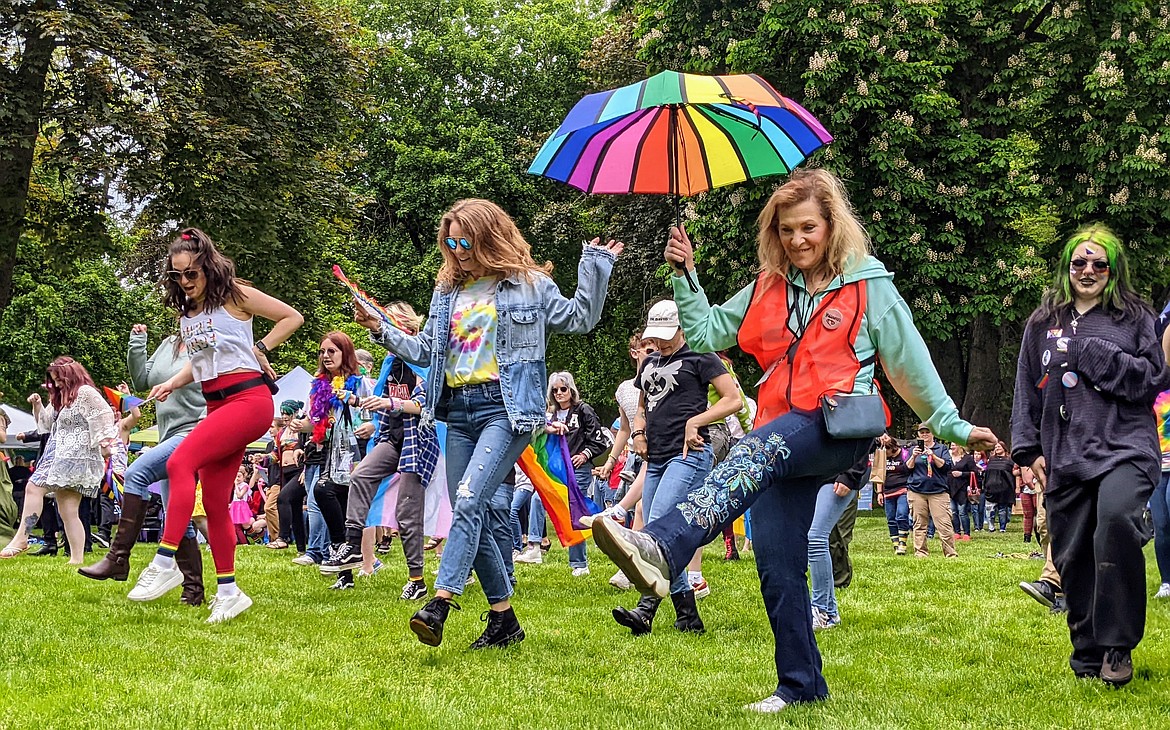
{"x":79,"y":430}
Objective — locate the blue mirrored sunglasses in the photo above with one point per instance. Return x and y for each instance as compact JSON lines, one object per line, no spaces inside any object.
{"x":452,"y":243}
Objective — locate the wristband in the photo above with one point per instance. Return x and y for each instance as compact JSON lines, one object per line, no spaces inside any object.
{"x":640,"y":432}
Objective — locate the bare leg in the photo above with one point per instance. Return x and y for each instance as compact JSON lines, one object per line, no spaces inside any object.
{"x":34,"y":503}
{"x":68,"y":502}
{"x":369,"y":540}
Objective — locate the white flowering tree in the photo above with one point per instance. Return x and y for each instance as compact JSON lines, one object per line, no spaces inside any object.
{"x":948,"y":119}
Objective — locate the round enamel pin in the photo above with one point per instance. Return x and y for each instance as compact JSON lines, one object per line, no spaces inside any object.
{"x":832,"y":318}
{"x":1070,"y":380}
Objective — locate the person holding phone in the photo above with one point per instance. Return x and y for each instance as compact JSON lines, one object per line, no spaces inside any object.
{"x":231,"y":366}
{"x":929,"y":494}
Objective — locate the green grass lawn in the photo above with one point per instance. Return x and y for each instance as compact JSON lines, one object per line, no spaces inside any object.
{"x":923,"y":644}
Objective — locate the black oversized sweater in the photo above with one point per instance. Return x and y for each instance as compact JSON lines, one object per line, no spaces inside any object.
{"x":1089,"y":408}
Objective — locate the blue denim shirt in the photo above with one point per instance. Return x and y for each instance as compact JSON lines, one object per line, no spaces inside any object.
{"x":528,"y":311}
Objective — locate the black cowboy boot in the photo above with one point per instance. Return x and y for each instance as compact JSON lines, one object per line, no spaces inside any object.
{"x":686,"y":612}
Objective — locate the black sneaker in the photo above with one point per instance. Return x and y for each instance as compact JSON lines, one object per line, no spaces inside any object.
{"x":383,"y":546}
{"x":413,"y":591}
{"x":502,"y":630}
{"x":1042,"y":591}
{"x":344,"y":582}
{"x":1058,"y":605}
{"x":1117,"y":668}
{"x":345,"y":557}
{"x":102,"y":541}
{"x":427,"y":622}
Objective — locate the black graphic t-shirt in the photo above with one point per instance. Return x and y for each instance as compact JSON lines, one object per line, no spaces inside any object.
{"x":675,"y":390}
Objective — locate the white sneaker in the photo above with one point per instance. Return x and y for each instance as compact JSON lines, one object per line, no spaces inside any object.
{"x":620,"y":581}
{"x":822,"y":620}
{"x":532,"y":555}
{"x":303,"y":559}
{"x":767,"y":706}
{"x":579,"y":572}
{"x":155,"y":582}
{"x":1163,"y":592}
{"x":227,"y":608}
{"x":701,"y":589}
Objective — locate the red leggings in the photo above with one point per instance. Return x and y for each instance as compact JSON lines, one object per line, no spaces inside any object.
{"x":213,"y":453}
{"x":1028,"y":502}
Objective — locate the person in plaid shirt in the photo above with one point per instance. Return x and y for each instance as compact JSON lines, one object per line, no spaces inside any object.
{"x":401,"y":445}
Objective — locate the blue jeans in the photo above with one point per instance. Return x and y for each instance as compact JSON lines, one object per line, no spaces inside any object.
{"x":828,"y":511}
{"x":151,"y":467}
{"x":318,"y":546}
{"x":536,"y":523}
{"x":520,"y":497}
{"x":978,"y":513}
{"x":481,"y":450}
{"x":898,"y":515}
{"x":667,"y":484}
{"x":500,"y":526}
{"x":1005,"y":513}
{"x":961,"y":516}
{"x":1160,"y":511}
{"x":776,"y":470}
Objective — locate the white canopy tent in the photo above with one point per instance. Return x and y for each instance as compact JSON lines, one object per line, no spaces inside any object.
{"x":294,"y":385}
{"x":19,"y":422}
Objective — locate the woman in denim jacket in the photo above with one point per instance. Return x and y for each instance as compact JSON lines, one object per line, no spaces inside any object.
{"x":484,"y":344}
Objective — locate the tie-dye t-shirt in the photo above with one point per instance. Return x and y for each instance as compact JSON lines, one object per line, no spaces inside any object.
{"x":471,"y":350}
{"x":1162,"y":412}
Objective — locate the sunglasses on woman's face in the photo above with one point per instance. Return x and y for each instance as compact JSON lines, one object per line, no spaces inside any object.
{"x":327,"y":351}
{"x":560,"y":389}
{"x":188,"y":274}
{"x":1100,"y":265}
{"x":643,"y":350}
{"x":452,"y":243}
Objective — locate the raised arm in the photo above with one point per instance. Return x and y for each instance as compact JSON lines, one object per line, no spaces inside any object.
{"x":579,"y":314}
{"x":411,"y":348}
{"x":136,"y":360}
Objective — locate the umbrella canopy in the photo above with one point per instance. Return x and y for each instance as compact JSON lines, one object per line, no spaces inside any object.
{"x":679,"y":134}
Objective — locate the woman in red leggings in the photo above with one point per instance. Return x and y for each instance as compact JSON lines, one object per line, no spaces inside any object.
{"x":216,"y":312}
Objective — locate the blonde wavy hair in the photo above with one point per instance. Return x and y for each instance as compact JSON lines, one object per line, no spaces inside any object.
{"x":405,"y":317}
{"x":848,"y":242}
{"x":496,"y":243}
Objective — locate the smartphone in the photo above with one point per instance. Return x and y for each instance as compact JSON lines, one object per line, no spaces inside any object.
{"x":922,"y":444}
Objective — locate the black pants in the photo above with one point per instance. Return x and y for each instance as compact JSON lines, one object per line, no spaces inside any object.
{"x":332,"y":499}
{"x":1096,"y":533}
{"x":291,"y":504}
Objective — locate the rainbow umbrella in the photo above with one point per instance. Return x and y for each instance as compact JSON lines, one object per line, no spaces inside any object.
{"x":679,"y":134}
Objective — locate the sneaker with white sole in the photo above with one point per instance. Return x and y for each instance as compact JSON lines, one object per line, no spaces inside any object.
{"x":1163,"y":592}
{"x":580,"y":572}
{"x":636,"y":554}
{"x":156,"y":582}
{"x":343,"y":583}
{"x":701,"y":589}
{"x":620,"y":581}
{"x":303,"y":559}
{"x":767,"y":706}
{"x":822,"y":620}
{"x":413,"y":591}
{"x":532,"y":555}
{"x":373,"y":571}
{"x":225,"y":608}
{"x":345,"y":557}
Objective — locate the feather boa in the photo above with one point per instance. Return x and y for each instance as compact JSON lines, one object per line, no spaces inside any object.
{"x":323,"y":401}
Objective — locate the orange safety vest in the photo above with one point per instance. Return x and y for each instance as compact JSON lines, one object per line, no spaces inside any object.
{"x":800,"y":368}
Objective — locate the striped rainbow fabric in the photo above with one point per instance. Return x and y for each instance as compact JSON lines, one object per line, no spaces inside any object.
{"x":547,"y":463}
{"x":679,"y":134}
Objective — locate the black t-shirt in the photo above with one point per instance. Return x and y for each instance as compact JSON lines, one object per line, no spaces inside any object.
{"x":675,"y":390}
{"x":19,"y":476}
{"x":399,"y":385}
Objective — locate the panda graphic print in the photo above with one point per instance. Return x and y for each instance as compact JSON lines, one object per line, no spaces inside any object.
{"x":674,"y":389}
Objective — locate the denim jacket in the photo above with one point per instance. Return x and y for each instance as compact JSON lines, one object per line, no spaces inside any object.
{"x":528,"y":311}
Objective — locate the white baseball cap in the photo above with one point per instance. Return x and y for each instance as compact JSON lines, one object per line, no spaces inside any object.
{"x":662,"y":322}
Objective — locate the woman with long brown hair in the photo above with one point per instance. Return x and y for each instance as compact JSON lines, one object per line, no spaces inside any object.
{"x":216,"y":311}
{"x":83,"y":431}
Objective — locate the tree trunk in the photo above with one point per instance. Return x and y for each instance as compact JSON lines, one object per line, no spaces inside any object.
{"x":988,"y":400}
{"x":22,"y":103}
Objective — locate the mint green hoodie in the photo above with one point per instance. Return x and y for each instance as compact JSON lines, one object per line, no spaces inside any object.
{"x":186,"y":407}
{"x":887,"y":331}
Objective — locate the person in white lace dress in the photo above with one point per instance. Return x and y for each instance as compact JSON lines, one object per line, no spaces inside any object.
{"x":82,"y":428}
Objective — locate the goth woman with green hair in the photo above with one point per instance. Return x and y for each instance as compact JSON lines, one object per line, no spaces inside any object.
{"x":1090,"y":367}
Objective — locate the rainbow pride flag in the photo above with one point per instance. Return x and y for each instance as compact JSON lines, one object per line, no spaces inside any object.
{"x":548,"y":464}
{"x":122,"y":401}
{"x":113,"y":482}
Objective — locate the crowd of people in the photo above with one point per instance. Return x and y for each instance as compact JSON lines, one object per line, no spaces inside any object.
{"x":463,"y":392}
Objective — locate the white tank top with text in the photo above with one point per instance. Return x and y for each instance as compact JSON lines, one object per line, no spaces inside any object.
{"x":218,"y":343}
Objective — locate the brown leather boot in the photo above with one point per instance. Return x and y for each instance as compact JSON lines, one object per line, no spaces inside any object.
{"x":190,"y":561}
{"x":116,"y":563}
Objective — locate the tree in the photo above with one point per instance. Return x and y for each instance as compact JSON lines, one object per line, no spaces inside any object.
{"x":227,"y":115}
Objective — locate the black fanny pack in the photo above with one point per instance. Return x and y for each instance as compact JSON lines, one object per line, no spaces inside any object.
{"x":849,"y":416}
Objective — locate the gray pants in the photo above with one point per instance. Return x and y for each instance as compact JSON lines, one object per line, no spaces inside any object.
{"x":382,"y":461}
